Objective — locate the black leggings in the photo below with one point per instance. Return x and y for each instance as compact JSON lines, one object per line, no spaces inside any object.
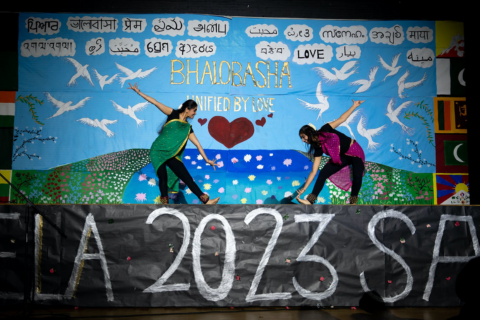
{"x":181,"y":172}
{"x":331,"y":168}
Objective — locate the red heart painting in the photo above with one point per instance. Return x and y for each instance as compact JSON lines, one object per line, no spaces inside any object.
{"x":261,"y":122}
{"x":270,"y":115}
{"x":202,"y":121}
{"x":230,"y":133}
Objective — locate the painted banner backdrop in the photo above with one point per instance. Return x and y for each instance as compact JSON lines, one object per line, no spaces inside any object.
{"x":191,"y":255}
{"x":81,"y":136}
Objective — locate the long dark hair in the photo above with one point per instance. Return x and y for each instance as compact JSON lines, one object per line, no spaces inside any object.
{"x":189,"y":104}
{"x":312,"y":136}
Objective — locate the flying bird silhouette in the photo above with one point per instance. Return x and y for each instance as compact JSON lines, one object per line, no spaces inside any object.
{"x":392,"y":68}
{"x":393,"y":115}
{"x":103,"y":79}
{"x":402,"y":85}
{"x":130,"y":111}
{"x":365,"y":84}
{"x":322,"y":106}
{"x":64,"y":106}
{"x":132,"y":75}
{"x":349,"y":120}
{"x":81,"y":72}
{"x":341,"y":74}
{"x":369,"y":133}
{"x":99,"y":124}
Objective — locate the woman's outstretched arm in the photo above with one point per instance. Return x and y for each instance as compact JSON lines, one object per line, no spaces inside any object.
{"x":311,"y":176}
{"x":160,"y":106}
{"x":197,"y":144}
{"x":347,"y":114}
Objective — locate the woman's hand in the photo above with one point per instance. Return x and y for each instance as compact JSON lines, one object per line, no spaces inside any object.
{"x":212,"y":163}
{"x":134,"y":87}
{"x":357,"y":103}
{"x":300,"y":191}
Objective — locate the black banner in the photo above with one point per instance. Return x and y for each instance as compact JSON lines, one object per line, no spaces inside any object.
{"x":239,"y":255}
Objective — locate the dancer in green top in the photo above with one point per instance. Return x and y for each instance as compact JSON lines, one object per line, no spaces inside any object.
{"x":167,"y":150}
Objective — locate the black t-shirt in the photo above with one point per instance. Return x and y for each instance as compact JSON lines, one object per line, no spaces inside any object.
{"x":176,"y":115}
{"x":344,"y":140}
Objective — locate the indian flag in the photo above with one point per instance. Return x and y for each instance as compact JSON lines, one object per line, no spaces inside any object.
{"x":7,"y":108}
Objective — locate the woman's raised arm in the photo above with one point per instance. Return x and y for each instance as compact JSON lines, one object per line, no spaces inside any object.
{"x":160,"y":106}
{"x":347,"y":114}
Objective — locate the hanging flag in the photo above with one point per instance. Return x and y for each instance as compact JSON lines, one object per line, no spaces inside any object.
{"x":451,"y":153}
{"x":456,"y":153}
{"x":451,"y":77}
{"x":4,"y":186}
{"x":450,"y":115}
{"x":452,"y":189}
{"x":449,"y":39}
{"x":7,"y":108}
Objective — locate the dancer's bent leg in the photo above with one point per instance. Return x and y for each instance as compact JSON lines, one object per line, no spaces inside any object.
{"x":325,"y":173}
{"x":181,"y":172}
{"x":357,"y":167}
{"x":162,"y":183}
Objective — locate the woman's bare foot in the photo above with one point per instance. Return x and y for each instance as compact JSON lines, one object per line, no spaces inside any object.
{"x":213,"y":201}
{"x":302,"y":201}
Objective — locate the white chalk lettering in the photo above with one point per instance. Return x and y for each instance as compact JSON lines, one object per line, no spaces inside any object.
{"x":251,"y":296}
{"x":371,"y":233}
{"x":323,"y":220}
{"x":436,"y":259}
{"x":159,"y":286}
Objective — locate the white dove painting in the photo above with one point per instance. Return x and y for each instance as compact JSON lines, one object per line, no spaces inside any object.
{"x":341,"y":74}
{"x":323,"y":104}
{"x":350,"y":120}
{"x":99,"y":124}
{"x":365,"y":84}
{"x":393,"y":115}
{"x":133,"y":75}
{"x":393,"y":69}
{"x":64,"y":106}
{"x":130,"y":111}
{"x":102,"y":80}
{"x":369,"y":133}
{"x":81,"y":72}
{"x":402,"y":85}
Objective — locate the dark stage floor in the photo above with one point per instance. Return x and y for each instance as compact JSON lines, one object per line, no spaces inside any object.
{"x":240,"y":313}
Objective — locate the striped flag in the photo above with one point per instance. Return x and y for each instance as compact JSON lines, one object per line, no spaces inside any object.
{"x":450,"y":115}
{"x":451,"y":77}
{"x":7,"y":108}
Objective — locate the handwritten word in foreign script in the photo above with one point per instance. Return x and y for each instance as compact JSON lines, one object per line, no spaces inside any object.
{"x":96,"y":47}
{"x":392,"y":36}
{"x":344,"y":53}
{"x":262,"y":31}
{"x":41,"y":47}
{"x":417,"y":59}
{"x":298,"y":32}
{"x":43,"y":26}
{"x":89,"y":24}
{"x":419,"y":35}
{"x":211,"y":29}
{"x":159,"y":46}
{"x":134,"y":25}
{"x":192,"y":48}
{"x":170,"y":26}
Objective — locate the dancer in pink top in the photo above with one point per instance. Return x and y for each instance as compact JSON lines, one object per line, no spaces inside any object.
{"x":343,"y":152}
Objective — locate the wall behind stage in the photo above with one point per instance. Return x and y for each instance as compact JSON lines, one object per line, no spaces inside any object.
{"x":261,"y":78}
